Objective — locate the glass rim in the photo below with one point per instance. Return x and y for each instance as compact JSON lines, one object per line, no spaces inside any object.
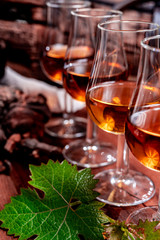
{"x":100,"y":26}
{"x":147,"y":46}
{"x":68,"y":4}
{"x":80,"y":12}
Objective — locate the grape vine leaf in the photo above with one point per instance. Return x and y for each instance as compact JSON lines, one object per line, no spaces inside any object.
{"x":147,"y":230}
{"x":144,"y":230}
{"x":67,"y":209}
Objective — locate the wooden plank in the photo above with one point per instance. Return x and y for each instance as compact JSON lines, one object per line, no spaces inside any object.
{"x":30,"y":15}
{"x":8,"y":190}
{"x":20,"y":35}
{"x":33,"y":2}
{"x":22,"y":11}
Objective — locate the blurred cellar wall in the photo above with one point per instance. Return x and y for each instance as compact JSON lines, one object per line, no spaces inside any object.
{"x":22,"y":28}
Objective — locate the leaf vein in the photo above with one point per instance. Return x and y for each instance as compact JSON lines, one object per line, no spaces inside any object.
{"x":54,"y":189}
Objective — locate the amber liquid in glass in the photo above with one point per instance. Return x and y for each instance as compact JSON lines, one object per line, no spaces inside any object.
{"x":77,"y":72}
{"x":108,"y":102}
{"x":76,"y":79}
{"x":143,"y":135}
{"x":52,"y":62}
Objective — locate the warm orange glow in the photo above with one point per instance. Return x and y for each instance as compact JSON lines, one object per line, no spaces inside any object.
{"x":57,"y":76}
{"x":109,"y":123}
{"x":114,"y":64}
{"x":116,"y":100}
{"x":80,"y":52}
{"x":152,"y":158}
{"x":56,"y":52}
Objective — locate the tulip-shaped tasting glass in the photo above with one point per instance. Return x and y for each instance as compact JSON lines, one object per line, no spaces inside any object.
{"x":112,"y":81}
{"x":55,"y":42}
{"x":143,"y":121}
{"x":79,"y":57}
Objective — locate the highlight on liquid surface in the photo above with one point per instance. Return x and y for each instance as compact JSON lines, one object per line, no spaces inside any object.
{"x":143,"y":135}
{"x":107,"y":104}
{"x":52,"y":62}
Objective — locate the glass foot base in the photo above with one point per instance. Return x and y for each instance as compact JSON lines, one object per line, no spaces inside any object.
{"x":66,"y":128}
{"x":146,"y":213}
{"x":88,"y":155}
{"x":124,"y":190}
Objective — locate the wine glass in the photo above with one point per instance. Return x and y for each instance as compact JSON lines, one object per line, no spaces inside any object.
{"x":52,"y":62}
{"x":87,"y":152}
{"x":112,"y":81}
{"x":143,"y":121}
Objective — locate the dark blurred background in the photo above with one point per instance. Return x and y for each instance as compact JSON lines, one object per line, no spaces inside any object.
{"x":22,"y":27}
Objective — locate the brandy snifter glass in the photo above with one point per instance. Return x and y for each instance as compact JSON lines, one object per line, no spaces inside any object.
{"x":87,"y":152}
{"x":54,"y":46}
{"x":143,"y":121}
{"x":110,"y":89}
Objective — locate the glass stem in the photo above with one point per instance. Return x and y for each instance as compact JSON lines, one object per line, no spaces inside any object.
{"x":122,"y":155}
{"x":90,"y":130}
{"x":68,"y":106}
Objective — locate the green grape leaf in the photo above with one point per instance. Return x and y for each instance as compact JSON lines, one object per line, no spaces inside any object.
{"x":147,"y":230}
{"x":67,"y":209}
{"x":116,"y":230}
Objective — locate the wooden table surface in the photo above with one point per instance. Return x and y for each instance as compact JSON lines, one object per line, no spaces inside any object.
{"x":18,"y":176}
